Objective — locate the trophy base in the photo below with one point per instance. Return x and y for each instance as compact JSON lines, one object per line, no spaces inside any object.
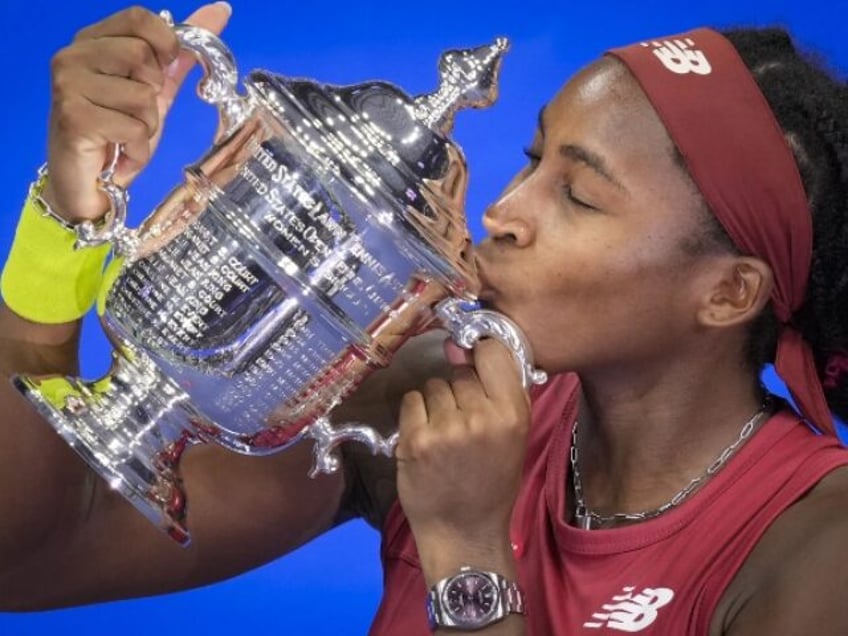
{"x":131,"y":427}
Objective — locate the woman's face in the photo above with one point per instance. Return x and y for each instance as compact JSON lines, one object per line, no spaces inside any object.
{"x":586,"y":247}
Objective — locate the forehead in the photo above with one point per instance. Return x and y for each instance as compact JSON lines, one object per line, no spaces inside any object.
{"x":604,"y":108}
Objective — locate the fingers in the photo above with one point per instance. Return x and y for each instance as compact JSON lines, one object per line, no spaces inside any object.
{"x":110,"y":110}
{"x":460,"y":451}
{"x":120,"y":56}
{"x":488,"y":395}
{"x":498,"y":371}
{"x":129,"y":98}
{"x":433,"y":406}
{"x":113,"y":126}
{"x":412,"y":419}
{"x":468,"y":391}
{"x":429,"y":419}
{"x":492,"y":383}
{"x":138,"y":23}
{"x":147,"y":49}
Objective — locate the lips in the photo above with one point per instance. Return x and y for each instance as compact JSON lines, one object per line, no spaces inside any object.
{"x":487,"y":291}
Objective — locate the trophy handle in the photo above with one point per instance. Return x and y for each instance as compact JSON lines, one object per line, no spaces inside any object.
{"x":467,"y":324}
{"x":112,"y":228}
{"x":327,"y":437}
{"x":217,"y":87}
{"x":220,"y":74}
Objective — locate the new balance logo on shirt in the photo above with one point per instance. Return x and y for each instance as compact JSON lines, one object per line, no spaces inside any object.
{"x":629,"y":612}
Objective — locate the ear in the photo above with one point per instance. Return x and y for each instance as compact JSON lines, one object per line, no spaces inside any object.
{"x":740,"y":290}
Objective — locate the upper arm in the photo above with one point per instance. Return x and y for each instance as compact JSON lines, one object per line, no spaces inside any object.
{"x":242,"y":512}
{"x":799,"y":580}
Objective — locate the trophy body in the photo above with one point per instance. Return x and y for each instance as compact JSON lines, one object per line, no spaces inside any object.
{"x":323,"y":228}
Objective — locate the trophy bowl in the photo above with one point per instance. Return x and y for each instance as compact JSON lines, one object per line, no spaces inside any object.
{"x":324,"y":227}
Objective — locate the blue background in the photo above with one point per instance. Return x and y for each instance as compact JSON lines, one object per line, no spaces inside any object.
{"x":333,"y":585}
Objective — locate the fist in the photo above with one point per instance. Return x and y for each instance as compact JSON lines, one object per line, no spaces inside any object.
{"x":113,"y":85}
{"x":461,"y":449}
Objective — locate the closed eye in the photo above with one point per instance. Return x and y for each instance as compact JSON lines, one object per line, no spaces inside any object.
{"x":569,"y":194}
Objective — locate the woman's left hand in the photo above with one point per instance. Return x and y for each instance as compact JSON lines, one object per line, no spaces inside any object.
{"x":460,"y":457}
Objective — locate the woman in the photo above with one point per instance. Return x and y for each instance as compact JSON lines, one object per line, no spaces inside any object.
{"x":701,"y":507}
{"x":662,"y":494}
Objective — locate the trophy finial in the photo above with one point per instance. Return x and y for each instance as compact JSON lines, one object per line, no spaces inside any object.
{"x":468,"y":78}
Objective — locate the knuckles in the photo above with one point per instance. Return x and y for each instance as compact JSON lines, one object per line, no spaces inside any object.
{"x":138,"y":16}
{"x":137,"y":36}
{"x":135,"y":19}
{"x":414,"y":446}
{"x":138,"y":53}
{"x":436,"y":386}
{"x":149,"y":26}
{"x":63,"y":63}
{"x":488,"y":427}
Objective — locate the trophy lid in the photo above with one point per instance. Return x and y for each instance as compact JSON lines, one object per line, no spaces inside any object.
{"x":392,"y":150}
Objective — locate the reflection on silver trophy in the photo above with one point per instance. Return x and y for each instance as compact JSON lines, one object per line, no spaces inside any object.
{"x":324,"y":227}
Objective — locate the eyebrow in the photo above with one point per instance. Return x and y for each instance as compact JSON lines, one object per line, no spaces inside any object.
{"x":581,"y":154}
{"x":590,"y":159}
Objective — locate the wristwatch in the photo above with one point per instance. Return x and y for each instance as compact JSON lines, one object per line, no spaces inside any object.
{"x":472,"y":599}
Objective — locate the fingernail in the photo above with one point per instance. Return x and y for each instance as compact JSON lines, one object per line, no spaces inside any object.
{"x":227,"y":6}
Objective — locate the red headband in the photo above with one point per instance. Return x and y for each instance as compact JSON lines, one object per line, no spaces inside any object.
{"x":738,"y":157}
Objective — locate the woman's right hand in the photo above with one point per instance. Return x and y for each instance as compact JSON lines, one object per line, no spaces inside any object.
{"x":113,"y":85}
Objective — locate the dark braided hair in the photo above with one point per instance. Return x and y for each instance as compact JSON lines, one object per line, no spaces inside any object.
{"x":811,"y":106}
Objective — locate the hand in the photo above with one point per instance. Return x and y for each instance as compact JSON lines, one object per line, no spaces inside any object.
{"x":113,"y":84}
{"x":460,"y":456}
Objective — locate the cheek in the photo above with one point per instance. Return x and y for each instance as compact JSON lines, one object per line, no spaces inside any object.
{"x":603,"y":303}
{"x":637,"y":278}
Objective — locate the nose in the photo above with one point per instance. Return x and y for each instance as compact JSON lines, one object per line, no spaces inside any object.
{"x":508,"y":218}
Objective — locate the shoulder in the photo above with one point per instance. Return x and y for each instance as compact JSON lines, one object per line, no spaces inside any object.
{"x":794,"y":580}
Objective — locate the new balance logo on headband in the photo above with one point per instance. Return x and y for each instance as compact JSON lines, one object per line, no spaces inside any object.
{"x":678,"y":57}
{"x":629,"y":612}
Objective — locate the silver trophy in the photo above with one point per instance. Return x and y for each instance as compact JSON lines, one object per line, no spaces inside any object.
{"x":324,"y":227}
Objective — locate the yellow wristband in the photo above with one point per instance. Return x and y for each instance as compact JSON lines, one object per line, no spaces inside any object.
{"x":45,"y":279}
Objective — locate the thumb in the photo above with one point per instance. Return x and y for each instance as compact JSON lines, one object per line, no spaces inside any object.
{"x":212,"y":17}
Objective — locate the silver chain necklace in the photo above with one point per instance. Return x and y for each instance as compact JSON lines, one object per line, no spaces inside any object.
{"x":587,"y":519}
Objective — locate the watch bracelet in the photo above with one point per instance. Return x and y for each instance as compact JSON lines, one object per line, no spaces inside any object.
{"x":514,"y":597}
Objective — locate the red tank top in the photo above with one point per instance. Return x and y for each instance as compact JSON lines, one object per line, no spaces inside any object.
{"x":663,"y":576}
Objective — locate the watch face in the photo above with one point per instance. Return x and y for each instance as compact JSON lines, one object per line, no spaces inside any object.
{"x":470,"y":598}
